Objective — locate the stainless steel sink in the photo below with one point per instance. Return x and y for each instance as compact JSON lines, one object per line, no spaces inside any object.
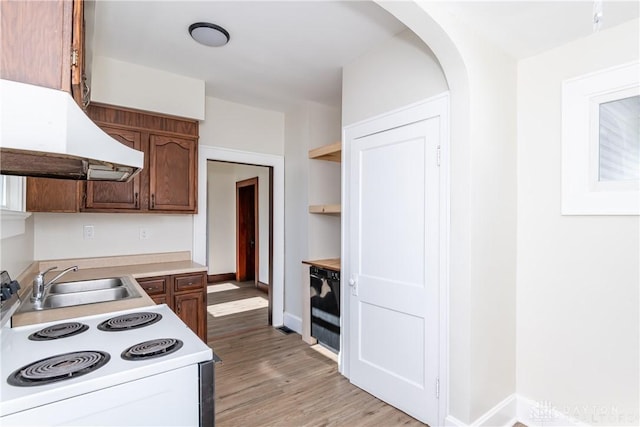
{"x":68,"y":294}
{"x":84,"y":297}
{"x":87,"y":285}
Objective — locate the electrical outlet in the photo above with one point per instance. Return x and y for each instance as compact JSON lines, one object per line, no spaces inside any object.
{"x":87,"y":232}
{"x":144,"y":233}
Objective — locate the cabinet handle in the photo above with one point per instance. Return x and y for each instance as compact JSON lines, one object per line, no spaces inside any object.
{"x":153,"y":201}
{"x":178,"y":308}
{"x":136,"y":200}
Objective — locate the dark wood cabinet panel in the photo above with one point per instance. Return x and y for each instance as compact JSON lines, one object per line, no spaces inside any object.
{"x":185,"y":294}
{"x":191,"y":309}
{"x":79,"y":88}
{"x":116,"y":195}
{"x":172,"y":173}
{"x":188,"y":282}
{"x":155,"y":285}
{"x":36,"y":42}
{"x":168,"y":182}
{"x":53,"y":195}
{"x":161,"y":299}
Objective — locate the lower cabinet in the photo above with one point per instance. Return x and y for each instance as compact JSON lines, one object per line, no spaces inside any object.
{"x":185,"y":294}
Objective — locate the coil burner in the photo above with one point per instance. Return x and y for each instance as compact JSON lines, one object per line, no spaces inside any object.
{"x":58,"y":368}
{"x":59,"y":330}
{"x":129,"y":321}
{"x":150,"y":349}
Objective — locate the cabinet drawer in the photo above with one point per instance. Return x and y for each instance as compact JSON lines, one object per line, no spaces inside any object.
{"x":154,"y":285}
{"x":188,"y":282}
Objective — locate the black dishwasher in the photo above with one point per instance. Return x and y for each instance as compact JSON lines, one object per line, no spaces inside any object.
{"x":325,"y":306}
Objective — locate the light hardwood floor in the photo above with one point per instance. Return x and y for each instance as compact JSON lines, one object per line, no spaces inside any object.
{"x":268,"y":378}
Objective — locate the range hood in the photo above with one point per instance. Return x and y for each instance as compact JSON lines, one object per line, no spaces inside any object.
{"x":44,"y":133}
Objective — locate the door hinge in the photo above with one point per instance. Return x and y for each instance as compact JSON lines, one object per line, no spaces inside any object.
{"x":437,"y":388}
{"x":74,"y":58}
{"x":438,"y":155}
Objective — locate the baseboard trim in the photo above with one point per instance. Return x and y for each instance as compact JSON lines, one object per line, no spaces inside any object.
{"x":503,"y":414}
{"x":263,"y":287}
{"x":222,"y":277}
{"x":293,"y":322}
{"x":542,"y":413}
{"x":516,"y":408}
{"x":451,"y":421}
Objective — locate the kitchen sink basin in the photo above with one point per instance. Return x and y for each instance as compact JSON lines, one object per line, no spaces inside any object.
{"x":88,"y":285}
{"x":69,"y":294}
{"x":57,"y":300}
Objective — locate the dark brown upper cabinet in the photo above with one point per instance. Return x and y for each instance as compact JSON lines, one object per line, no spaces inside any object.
{"x":116,"y":195}
{"x":168,"y":182}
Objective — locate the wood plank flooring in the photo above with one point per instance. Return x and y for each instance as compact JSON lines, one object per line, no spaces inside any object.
{"x":268,"y":378}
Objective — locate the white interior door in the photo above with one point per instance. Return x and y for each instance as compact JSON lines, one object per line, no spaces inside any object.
{"x":393,"y":219}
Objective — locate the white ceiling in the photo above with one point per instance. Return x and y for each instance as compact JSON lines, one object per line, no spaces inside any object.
{"x":285,"y":52}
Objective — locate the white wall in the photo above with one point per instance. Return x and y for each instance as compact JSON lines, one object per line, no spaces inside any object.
{"x":308,"y":236}
{"x":16,"y":253}
{"x":323,"y":185}
{"x":121,"y":83}
{"x":241,"y":127}
{"x":401,"y":71}
{"x":578,"y":276}
{"x":296,"y":213}
{"x":482,"y":83}
{"x":60,"y":236}
{"x":221,"y":209}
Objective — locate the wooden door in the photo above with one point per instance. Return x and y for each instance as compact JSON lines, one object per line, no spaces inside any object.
{"x":173,"y":172}
{"x":394,"y":265}
{"x":247,"y":258}
{"x":116,"y":195}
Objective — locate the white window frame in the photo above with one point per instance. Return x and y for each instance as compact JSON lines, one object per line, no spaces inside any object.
{"x":582,"y":191}
{"x":12,"y":206}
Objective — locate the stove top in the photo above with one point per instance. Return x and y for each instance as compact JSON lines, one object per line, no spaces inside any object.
{"x":129,"y":321}
{"x":58,"y":331}
{"x":58,"y":368}
{"x":91,"y":353}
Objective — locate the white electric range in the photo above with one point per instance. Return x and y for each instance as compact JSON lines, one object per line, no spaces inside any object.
{"x":138,"y":367}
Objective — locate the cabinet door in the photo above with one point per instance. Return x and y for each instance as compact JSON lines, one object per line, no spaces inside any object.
{"x":53,"y":195}
{"x":36,"y":42}
{"x":172,"y":173}
{"x":191,"y":309}
{"x":161,"y":299}
{"x":116,"y":195}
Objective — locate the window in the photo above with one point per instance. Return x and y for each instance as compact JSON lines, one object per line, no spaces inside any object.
{"x":11,"y":196}
{"x":601,"y":143}
{"x":619,"y":140}
{"x":12,"y":215}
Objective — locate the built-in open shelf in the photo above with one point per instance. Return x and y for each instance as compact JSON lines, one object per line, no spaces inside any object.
{"x":331,"y":152}
{"x":325,"y":209}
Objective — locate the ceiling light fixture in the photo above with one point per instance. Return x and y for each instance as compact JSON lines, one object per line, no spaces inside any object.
{"x":209,"y":34}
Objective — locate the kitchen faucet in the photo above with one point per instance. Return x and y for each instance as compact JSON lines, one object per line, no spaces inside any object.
{"x":39,"y":287}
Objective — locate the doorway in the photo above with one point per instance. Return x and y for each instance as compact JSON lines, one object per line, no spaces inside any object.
{"x":247,"y":230}
{"x":240,"y":246}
